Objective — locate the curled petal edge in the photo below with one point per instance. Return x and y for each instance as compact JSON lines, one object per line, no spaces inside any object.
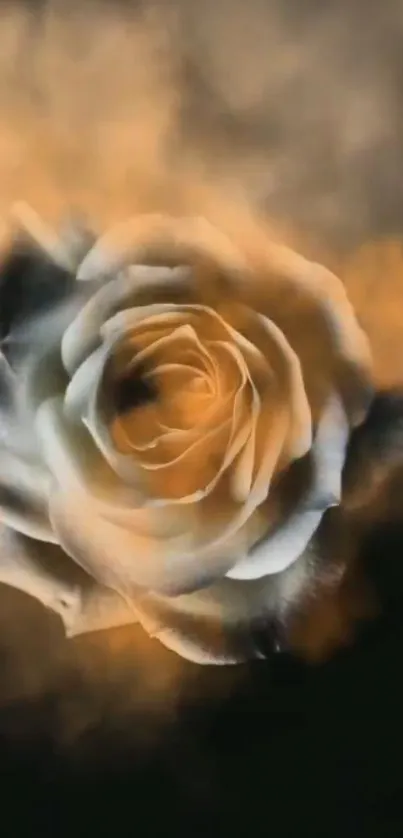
{"x":276,"y":552}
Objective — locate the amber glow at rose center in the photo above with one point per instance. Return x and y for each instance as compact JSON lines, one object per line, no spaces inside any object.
{"x":179,"y":437}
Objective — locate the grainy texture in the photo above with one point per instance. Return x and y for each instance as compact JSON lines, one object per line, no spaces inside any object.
{"x":113,"y":109}
{"x":298,"y":106}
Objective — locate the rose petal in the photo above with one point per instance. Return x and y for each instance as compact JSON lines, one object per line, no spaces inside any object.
{"x":44,"y":572}
{"x":173,"y":564}
{"x":64,"y":447}
{"x":43,"y":236}
{"x":77,"y":238}
{"x":192,"y":238}
{"x":128,"y":319}
{"x":80,"y":391}
{"x":221,"y":624}
{"x":190,"y":472}
{"x":24,"y":494}
{"x":207,"y":647}
{"x":331,"y":294}
{"x":127,"y":467}
{"x":300,"y":436}
{"x":125,"y":559}
{"x":190,"y":429}
{"x":242,"y":474}
{"x":191,"y":549}
{"x":287,"y":543}
{"x":311,"y":306}
{"x":100,"y":609}
{"x":327,"y":290}
{"x":215,"y":625}
{"x":40,"y":373}
{"x":204,"y":631}
{"x":82,"y":402}
{"x":166,"y":316}
{"x":123,"y":465}
{"x":8,"y":384}
{"x":354,"y":368}
{"x":278,"y":551}
{"x":125,"y":291}
{"x":76,"y":464}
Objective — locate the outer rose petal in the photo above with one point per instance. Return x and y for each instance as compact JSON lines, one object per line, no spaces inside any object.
{"x":127,"y":560}
{"x":121,"y":246}
{"x":211,"y":626}
{"x":40,"y":373}
{"x":45,"y":573}
{"x":223,"y":624}
{"x":76,"y":464}
{"x":80,"y":390}
{"x":42,"y":572}
{"x":7,"y":391}
{"x":125,"y":291}
{"x":279,"y":550}
{"x":101,"y":608}
{"x":311,"y":306}
{"x":193,"y":238}
{"x":37,"y":301}
{"x":10,"y":435}
{"x":24,"y":494}
{"x":328,"y":292}
{"x":300,"y":435}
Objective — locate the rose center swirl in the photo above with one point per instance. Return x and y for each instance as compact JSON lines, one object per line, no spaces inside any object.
{"x":197,"y":394}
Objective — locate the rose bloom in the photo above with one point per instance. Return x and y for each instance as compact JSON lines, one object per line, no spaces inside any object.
{"x":175,"y":417}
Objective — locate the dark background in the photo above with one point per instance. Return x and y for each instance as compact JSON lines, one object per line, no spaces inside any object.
{"x":302,"y":101}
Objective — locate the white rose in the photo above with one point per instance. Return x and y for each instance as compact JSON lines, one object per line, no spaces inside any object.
{"x":178,"y":431}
